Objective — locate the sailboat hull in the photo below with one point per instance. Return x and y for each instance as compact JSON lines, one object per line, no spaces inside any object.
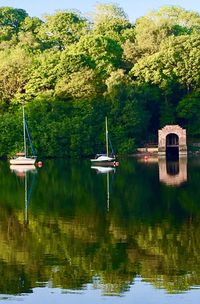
{"x":103,"y":159}
{"x":23,"y":161}
{"x":106,"y":164}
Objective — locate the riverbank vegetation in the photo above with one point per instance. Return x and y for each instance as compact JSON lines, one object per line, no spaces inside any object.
{"x":71,"y":71}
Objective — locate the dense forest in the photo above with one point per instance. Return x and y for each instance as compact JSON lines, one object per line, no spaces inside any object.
{"x":70,"y":71}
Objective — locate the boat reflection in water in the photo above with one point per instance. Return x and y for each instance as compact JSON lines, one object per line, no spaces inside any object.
{"x":28,"y":173}
{"x":100,"y":169}
{"x":173,"y":173}
{"x":108,"y":171}
{"x":21,"y":170}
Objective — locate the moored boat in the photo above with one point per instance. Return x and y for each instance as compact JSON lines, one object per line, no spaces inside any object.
{"x":105,"y":159}
{"x":23,"y":158}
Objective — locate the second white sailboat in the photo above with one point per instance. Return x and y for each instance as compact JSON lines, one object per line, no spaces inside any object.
{"x":105,"y":159}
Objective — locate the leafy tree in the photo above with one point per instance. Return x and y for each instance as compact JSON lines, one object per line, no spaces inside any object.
{"x":71,"y":62}
{"x":110,"y":20}
{"x":188,"y":110}
{"x":28,"y":35}
{"x":63,"y":28}
{"x":11,"y":136}
{"x":177,"y":61}
{"x":10,"y":22}
{"x":14,"y":65}
{"x":43,"y":74}
{"x":71,"y":83}
{"x":108,"y":11}
{"x":128,"y":110}
{"x":105,"y":52}
{"x":76,"y":86}
{"x":148,"y":35}
{"x":151,"y":30}
{"x":49,"y":125}
{"x":181,"y":21}
{"x":167,"y":113}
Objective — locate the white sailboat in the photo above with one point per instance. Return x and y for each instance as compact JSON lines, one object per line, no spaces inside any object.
{"x":105,"y":159}
{"x":23,"y":159}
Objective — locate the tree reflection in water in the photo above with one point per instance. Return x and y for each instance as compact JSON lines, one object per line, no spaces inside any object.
{"x":151,"y":230}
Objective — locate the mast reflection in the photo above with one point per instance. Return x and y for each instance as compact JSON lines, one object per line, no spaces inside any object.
{"x":28,"y":173}
{"x":107,"y":171}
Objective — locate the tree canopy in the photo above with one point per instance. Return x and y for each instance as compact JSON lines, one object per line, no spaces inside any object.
{"x":141,"y":75}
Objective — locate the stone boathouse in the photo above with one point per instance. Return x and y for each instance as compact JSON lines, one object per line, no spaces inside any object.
{"x":172,"y":141}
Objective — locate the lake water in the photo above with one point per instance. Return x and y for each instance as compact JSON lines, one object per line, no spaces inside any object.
{"x":72,"y":234}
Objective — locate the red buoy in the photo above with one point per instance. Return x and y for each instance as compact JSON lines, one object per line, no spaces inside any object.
{"x":39,"y":164}
{"x":145,"y":157}
{"x":115,"y":164}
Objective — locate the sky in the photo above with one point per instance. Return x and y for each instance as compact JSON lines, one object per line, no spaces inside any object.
{"x":133,"y":8}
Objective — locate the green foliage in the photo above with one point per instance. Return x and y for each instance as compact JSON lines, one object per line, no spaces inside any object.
{"x":63,"y":28}
{"x":167,"y":114}
{"x":10,"y":22}
{"x":76,"y":86}
{"x":11,"y":135}
{"x":175,"y":67}
{"x":110,"y":20}
{"x":14,"y":65}
{"x":128,"y":110}
{"x":49,"y":124}
{"x":149,"y":34}
{"x":177,"y":16}
{"x":44,"y":73}
{"x":71,"y":62}
{"x":82,"y":70}
{"x":104,"y":51}
{"x":108,"y":11}
{"x":29,"y":34}
{"x":154,"y":28}
{"x":188,"y":109}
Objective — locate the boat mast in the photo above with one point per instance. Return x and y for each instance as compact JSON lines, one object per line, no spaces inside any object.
{"x":106,"y":136}
{"x":24,"y":128}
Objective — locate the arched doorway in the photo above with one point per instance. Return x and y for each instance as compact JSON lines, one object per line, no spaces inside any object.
{"x":172,"y":146}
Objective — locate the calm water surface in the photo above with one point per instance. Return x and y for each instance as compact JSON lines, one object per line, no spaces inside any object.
{"x":73,"y":234}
